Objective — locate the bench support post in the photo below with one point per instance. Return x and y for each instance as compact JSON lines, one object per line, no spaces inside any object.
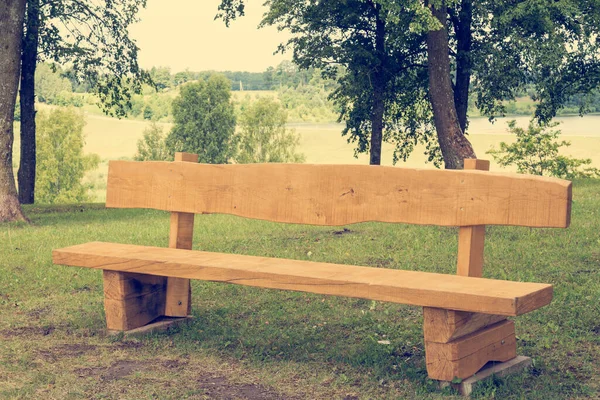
{"x":132,"y":300}
{"x":135,"y":300}
{"x":458,"y":344}
{"x":179,"y":291}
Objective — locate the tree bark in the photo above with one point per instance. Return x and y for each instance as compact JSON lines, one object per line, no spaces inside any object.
{"x":453,"y":143}
{"x":379,"y":83}
{"x":27,"y":164}
{"x":464,"y":39}
{"x":12,"y":13}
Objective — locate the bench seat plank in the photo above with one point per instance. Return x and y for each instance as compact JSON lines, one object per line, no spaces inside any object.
{"x":407,"y":287}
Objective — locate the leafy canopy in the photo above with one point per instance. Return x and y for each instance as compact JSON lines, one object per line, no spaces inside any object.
{"x":204,"y":121}
{"x":340,"y":37}
{"x":61,"y":163}
{"x":93,"y":38}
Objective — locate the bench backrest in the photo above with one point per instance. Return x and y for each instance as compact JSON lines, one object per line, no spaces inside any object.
{"x":342,"y":194}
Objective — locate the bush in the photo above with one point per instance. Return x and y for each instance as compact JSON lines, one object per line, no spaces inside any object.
{"x":536,"y":152}
{"x":204,"y":121}
{"x":152,"y":146}
{"x":263,"y":136}
{"x":61,"y":163}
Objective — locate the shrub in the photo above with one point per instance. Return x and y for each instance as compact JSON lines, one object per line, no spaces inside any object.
{"x":204,"y":121}
{"x":536,"y":152}
{"x":263,"y":136}
{"x":152,"y":146}
{"x":61,"y":163}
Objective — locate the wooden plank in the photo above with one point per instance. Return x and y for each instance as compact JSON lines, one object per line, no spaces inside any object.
{"x":132,"y":300}
{"x":471,"y":238}
{"x":341,"y":194}
{"x":443,"y":326}
{"x":407,"y":287}
{"x":464,"y":357}
{"x":181,"y":235}
{"x":476,"y":163}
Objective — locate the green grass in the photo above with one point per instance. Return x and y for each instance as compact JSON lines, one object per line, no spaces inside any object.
{"x":293,"y":345}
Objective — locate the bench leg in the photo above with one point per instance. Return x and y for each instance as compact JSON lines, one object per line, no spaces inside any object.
{"x":133,"y":300}
{"x":458,"y":344}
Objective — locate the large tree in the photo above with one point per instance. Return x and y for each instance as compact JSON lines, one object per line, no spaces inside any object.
{"x":93,"y":38}
{"x":11,"y":29}
{"x":489,"y":48}
{"x":383,"y":62}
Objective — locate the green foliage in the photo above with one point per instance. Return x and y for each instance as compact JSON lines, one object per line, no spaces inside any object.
{"x":263,"y":136}
{"x":161,"y":76}
{"x":61,"y":163}
{"x":49,"y":84}
{"x":204,"y":121}
{"x":93,"y":39}
{"x":152,"y":146}
{"x":536,"y":152}
{"x":547,"y":48}
{"x":372,"y":52}
{"x":148,"y":112}
{"x":504,"y":49}
{"x":307,"y":103}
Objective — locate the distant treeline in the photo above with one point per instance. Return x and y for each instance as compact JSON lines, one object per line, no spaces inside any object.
{"x":286,"y":74}
{"x":303,"y":93}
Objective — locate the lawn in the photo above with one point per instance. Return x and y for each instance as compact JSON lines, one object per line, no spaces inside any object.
{"x":257,"y":343}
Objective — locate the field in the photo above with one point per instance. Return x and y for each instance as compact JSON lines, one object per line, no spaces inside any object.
{"x":264,"y":344}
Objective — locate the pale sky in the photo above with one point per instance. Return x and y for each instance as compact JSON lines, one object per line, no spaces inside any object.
{"x":183,"y":34}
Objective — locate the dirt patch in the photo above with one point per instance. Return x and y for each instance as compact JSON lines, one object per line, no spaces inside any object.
{"x":218,"y":387}
{"x":117,"y":370}
{"x":128,"y":345}
{"x":65,"y":351}
{"x":28,"y":331}
{"x":381,"y":262}
{"x":38,"y":312}
{"x":174,"y":364}
{"x":344,"y":231}
{"x":121,"y":369}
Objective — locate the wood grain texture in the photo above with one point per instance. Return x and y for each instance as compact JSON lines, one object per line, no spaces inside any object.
{"x":407,"y":287}
{"x":341,"y":194}
{"x":471,"y":241}
{"x":181,"y":236}
{"x":132,"y":300}
{"x":476,"y":163}
{"x":443,"y":326}
{"x":463,"y":357}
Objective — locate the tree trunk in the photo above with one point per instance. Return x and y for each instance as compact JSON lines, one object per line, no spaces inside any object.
{"x":453,"y":143}
{"x":464,"y":38}
{"x":26,"y":173}
{"x":12,"y":13}
{"x":378,"y":92}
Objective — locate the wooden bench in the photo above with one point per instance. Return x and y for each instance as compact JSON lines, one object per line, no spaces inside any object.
{"x":465,"y":323}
